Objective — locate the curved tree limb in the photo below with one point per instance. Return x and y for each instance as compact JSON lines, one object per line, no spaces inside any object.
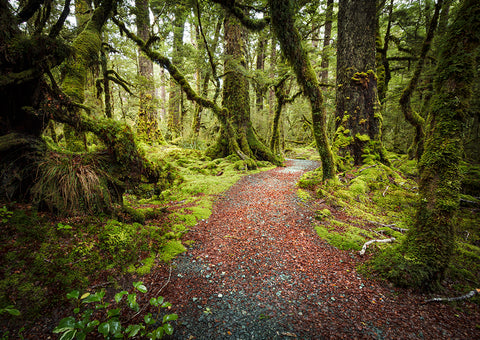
{"x":164,"y":62}
{"x":237,"y":11}
{"x":410,"y":115}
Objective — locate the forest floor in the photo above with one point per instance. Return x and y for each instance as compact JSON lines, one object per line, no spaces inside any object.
{"x":258,"y":270}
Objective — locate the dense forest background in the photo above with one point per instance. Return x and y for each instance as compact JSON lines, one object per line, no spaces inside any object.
{"x":108,"y":107}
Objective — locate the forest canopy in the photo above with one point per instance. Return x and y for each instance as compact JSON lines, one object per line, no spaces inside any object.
{"x":87,"y":88}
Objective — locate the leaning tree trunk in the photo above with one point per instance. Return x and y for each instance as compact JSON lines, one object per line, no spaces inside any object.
{"x":358,"y":117}
{"x":291,"y":42}
{"x":431,"y":241}
{"x":236,"y":99}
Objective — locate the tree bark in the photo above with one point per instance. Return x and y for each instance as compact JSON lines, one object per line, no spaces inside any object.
{"x":175,"y":92}
{"x":147,"y":124}
{"x":431,"y":241}
{"x":326,"y":43}
{"x":236,"y":98}
{"x":290,"y":40}
{"x":410,"y":115}
{"x":358,"y":117}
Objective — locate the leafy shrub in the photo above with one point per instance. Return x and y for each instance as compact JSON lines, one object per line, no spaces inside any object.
{"x":109,"y":322}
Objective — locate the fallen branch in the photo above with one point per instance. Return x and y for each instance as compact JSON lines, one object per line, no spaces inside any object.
{"x":391,"y":226}
{"x":364,"y":248}
{"x":463,"y":297}
{"x":388,"y":186}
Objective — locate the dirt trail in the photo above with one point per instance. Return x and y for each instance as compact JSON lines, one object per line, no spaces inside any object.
{"x":257,"y":270}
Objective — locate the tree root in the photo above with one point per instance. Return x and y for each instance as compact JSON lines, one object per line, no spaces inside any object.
{"x":458,"y":298}
{"x":364,"y":248}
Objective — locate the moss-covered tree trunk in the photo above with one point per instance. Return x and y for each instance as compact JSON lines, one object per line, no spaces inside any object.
{"x":147,"y":124}
{"x":413,"y":117}
{"x":431,"y":241}
{"x":86,"y":49}
{"x":326,"y":42}
{"x":358,"y":117}
{"x":384,"y":74}
{"x":175,"y":92}
{"x":236,"y":99}
{"x":290,"y":40}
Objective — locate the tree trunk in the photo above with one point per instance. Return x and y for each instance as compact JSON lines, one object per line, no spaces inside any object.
{"x":147,"y":124}
{"x":292,"y":47}
{"x":326,"y":43}
{"x":410,"y":115}
{"x":431,"y":241}
{"x":175,"y":92}
{"x":261,"y":47}
{"x":236,"y":99}
{"x":358,"y":118}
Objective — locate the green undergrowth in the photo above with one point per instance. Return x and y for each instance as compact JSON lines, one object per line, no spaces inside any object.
{"x":371,"y":202}
{"x":44,"y":256}
{"x":361,"y":203}
{"x":199,"y":180}
{"x":302,"y":152}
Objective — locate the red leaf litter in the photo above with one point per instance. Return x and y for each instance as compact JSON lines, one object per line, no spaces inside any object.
{"x":257,"y":270}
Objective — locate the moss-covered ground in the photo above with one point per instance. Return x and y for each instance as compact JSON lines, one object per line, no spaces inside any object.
{"x":44,"y":256}
{"x":378,"y":202}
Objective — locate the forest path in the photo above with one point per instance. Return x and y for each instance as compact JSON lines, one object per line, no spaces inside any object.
{"x":257,"y":270}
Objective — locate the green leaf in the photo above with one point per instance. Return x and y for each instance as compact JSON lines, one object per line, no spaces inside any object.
{"x":104,"y":329}
{"x":74,"y":294}
{"x":69,"y":335}
{"x":132,"y":302}
{"x":12,"y":311}
{"x":170,"y":317}
{"x":133,"y":330}
{"x":158,"y":333}
{"x":115,"y":326}
{"x":113,"y":312}
{"x":76,"y":310}
{"x":119,"y":296}
{"x":168,"y":329}
{"x":91,"y":325}
{"x":166,"y":304}
{"x":92,"y":298}
{"x":65,"y":324}
{"x":81,"y":335}
{"x":148,"y":319}
{"x":156,"y":301}
{"x":140,"y":286}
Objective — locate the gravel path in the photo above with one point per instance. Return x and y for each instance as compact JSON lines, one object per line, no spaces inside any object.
{"x":257,"y":270}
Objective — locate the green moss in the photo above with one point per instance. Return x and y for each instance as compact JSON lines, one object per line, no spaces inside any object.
{"x":171,"y":250}
{"x":348,"y":240}
{"x":303,"y":195}
{"x":322,"y":214}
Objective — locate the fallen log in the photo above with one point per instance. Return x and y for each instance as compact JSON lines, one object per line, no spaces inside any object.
{"x":364,"y":248}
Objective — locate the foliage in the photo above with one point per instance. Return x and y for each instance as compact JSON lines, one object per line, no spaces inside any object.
{"x":73,"y":183}
{"x":102,"y":317}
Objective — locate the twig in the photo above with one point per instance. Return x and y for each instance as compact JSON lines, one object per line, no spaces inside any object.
{"x":364,"y":248}
{"x":463,"y":297}
{"x":388,"y":186}
{"x":101,"y":284}
{"x":155,"y":295}
{"x":391,"y":226}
